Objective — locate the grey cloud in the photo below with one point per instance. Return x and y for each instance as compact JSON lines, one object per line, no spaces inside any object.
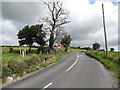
{"x":25,"y":12}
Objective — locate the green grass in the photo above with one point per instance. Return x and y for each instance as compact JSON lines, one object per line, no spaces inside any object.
{"x":20,"y":48}
{"x":78,"y":50}
{"x":111,"y":61}
{"x":60,"y":55}
{"x":6,"y":49}
{"x":6,"y":57}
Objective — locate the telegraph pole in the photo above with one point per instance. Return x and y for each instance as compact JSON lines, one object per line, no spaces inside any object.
{"x":105,"y":30}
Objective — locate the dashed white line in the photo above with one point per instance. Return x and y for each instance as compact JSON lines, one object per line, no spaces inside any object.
{"x":77,"y":55}
{"x":72,"y":65}
{"x":47,"y":86}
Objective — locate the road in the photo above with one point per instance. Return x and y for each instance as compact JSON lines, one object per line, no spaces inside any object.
{"x":77,"y":70}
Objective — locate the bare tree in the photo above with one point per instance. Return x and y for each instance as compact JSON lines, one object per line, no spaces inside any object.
{"x":58,"y":16}
{"x":59,"y":34}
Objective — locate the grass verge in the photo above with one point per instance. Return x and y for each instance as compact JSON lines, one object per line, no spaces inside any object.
{"x":111,"y":61}
{"x":20,"y":68}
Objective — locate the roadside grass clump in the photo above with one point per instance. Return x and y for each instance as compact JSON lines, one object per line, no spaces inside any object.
{"x":111,"y":61}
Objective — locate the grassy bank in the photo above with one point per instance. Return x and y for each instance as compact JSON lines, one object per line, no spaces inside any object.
{"x":112,"y":61}
{"x":6,"y":56}
{"x":22,"y":66}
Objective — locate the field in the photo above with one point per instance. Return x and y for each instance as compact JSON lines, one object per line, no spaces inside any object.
{"x":111,"y":61}
{"x":6,"y":49}
{"x":6,"y":56}
{"x":78,"y":50}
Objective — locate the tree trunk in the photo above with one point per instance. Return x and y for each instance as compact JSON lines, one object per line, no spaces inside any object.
{"x":30,"y":48}
{"x":66,"y":49}
{"x":51,"y":41}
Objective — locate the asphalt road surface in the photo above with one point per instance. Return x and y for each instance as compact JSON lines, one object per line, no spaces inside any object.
{"x":77,"y":70}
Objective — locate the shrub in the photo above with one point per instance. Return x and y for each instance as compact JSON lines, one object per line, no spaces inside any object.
{"x":40,"y":49}
{"x":10,"y":50}
{"x":20,"y":69}
{"x":6,"y":71}
{"x":43,"y":49}
{"x":29,"y":62}
{"x":16,"y":67}
{"x":12,"y":64}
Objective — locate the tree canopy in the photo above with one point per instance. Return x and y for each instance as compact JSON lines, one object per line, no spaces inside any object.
{"x":112,"y":49}
{"x":96,"y":46}
{"x":30,"y":34}
{"x":66,"y":41}
{"x":40,"y":34}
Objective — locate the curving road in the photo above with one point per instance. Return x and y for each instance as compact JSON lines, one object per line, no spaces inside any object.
{"x":76,"y":70}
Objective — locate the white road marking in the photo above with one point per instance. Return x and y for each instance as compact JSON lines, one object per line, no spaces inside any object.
{"x":77,"y":55}
{"x":47,"y":86}
{"x":72,"y":65}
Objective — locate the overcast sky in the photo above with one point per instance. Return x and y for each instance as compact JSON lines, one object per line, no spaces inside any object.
{"x":85,"y":28}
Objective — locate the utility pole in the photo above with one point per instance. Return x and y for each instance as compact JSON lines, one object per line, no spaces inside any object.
{"x":105,"y":30}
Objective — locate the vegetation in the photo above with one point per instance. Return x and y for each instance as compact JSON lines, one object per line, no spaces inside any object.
{"x":111,"y":61}
{"x":96,"y":46}
{"x":53,"y":29}
{"x":15,"y":65}
{"x":28,"y":35}
{"x":66,"y":41}
{"x":87,"y":48}
{"x":15,"y":54}
{"x":112,"y":49}
{"x":40,"y":34}
{"x":58,"y":16}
